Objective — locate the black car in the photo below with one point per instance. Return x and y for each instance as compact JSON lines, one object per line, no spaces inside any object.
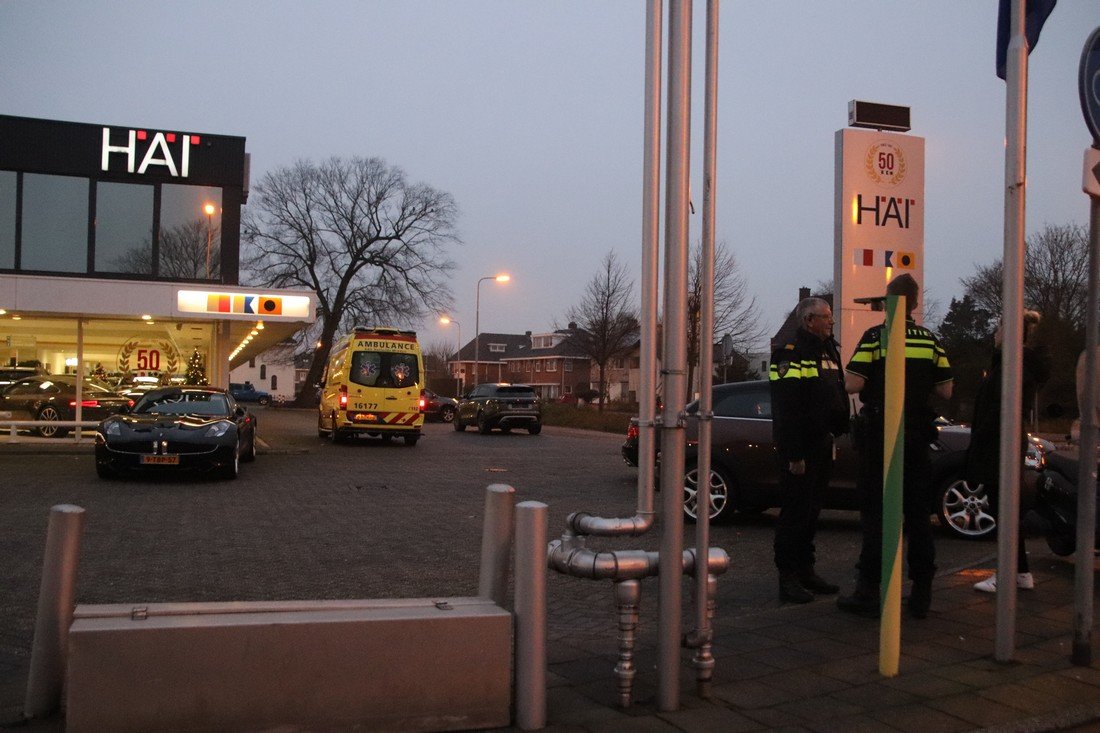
{"x":50,"y":398}
{"x":177,"y":428}
{"x":10,"y":374}
{"x":745,"y":472}
{"x":500,"y":405}
{"x":437,"y":407}
{"x":247,"y":392}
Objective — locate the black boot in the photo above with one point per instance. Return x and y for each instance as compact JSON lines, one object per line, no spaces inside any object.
{"x":817,"y":585}
{"x":862,"y":602}
{"x":920,"y":598}
{"x":792,"y":591}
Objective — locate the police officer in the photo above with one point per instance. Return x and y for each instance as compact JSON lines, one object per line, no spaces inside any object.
{"x":809,"y":408}
{"x":927,"y":372}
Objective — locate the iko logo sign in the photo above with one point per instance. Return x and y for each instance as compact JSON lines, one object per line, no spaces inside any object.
{"x":169,"y":150}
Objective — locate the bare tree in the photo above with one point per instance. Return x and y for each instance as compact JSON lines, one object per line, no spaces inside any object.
{"x":369,"y":243}
{"x":1055,"y":276}
{"x":735,"y":311}
{"x":607,"y":323}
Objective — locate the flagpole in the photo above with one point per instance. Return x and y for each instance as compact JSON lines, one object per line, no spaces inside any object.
{"x":1008,"y":514}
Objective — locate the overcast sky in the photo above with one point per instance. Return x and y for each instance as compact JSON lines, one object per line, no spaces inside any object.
{"x":530,"y":114}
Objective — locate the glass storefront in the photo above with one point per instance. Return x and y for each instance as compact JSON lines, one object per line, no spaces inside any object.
{"x":55,"y":223}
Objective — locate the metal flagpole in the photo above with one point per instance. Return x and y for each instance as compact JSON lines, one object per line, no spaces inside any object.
{"x":1008,"y":515}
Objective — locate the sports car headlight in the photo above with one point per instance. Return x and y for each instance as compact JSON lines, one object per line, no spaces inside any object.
{"x":218,"y":429}
{"x":112,"y":427}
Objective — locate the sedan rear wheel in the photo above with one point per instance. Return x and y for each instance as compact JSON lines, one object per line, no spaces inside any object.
{"x":965,"y":510}
{"x":49,"y":413}
{"x":447,"y":413}
{"x":721,"y":494}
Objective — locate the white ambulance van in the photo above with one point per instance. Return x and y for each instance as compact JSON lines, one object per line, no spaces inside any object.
{"x":372,"y":385}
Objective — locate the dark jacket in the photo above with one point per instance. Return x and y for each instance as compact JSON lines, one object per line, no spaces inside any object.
{"x":984,"y":454}
{"x":808,"y":398}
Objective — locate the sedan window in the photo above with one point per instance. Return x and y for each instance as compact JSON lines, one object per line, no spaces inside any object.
{"x":745,"y":404}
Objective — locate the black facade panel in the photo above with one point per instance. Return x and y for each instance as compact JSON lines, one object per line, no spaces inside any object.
{"x":77,"y":149}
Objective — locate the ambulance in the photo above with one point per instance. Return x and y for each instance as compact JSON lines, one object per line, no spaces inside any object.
{"x":371,"y":385}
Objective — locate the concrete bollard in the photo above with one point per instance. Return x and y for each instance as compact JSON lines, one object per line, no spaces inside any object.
{"x":55,"y":611}
{"x":496,"y":543}
{"x":530,"y":615}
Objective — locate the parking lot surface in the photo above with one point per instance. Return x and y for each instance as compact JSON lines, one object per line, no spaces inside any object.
{"x":366,"y":519}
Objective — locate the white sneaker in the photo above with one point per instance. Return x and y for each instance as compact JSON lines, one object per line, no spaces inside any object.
{"x":1024,"y":581}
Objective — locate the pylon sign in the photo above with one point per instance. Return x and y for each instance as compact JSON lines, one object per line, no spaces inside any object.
{"x":879,"y":223}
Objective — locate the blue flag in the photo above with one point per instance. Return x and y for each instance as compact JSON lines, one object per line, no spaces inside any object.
{"x":1035,"y":14}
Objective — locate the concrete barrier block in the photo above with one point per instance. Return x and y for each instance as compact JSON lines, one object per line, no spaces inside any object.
{"x":409,"y":664}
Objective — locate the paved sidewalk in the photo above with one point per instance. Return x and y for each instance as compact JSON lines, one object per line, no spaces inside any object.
{"x":815,"y":668}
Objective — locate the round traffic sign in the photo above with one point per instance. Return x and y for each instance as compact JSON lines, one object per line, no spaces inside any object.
{"x":1089,"y":84}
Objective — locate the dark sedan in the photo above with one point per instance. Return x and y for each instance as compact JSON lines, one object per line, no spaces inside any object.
{"x":745,"y":473}
{"x":50,"y":398}
{"x":437,"y":407}
{"x":178,"y":428}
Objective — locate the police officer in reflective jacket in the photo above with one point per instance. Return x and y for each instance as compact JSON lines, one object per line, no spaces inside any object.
{"x":809,"y":408}
{"x":927,"y":373}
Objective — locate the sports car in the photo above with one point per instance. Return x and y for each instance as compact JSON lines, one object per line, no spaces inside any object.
{"x":176,"y":429}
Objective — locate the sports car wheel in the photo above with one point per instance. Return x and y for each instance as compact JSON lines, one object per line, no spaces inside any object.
{"x":447,"y":414}
{"x":721,"y":494}
{"x":233,"y":470}
{"x":964,"y":510}
{"x":104,"y":472}
{"x":249,"y":454}
{"x":49,"y":413}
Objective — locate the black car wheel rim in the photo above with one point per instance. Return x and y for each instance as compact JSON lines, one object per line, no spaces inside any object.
{"x":48,"y":414}
{"x":719,"y":494}
{"x":966,"y":510}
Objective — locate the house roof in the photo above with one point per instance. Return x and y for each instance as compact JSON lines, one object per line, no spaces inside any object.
{"x":513,"y":342}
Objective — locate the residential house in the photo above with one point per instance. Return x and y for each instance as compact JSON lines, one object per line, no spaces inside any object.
{"x":492,"y":354}
{"x":272,"y":370}
{"x":550,"y":364}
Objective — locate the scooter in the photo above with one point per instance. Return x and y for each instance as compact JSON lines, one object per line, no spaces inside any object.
{"x":1055,"y":511}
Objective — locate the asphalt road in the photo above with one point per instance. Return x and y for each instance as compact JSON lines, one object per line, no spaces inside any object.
{"x":365,"y":519}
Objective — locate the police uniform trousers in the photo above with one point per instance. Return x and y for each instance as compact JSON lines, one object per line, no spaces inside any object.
{"x":916,"y":509}
{"x":802,"y":499}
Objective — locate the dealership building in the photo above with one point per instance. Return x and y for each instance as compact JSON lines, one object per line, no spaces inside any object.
{"x":120,"y":253}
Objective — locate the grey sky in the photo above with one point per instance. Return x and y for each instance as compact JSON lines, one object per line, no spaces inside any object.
{"x":530,"y":115}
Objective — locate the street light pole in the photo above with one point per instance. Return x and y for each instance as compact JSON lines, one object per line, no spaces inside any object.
{"x":208,"y":209}
{"x":458,"y":353}
{"x":502,"y":278}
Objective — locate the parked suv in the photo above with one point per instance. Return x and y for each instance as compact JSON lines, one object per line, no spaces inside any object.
{"x":503,"y":406}
{"x":247,"y":392}
{"x":745,"y":472}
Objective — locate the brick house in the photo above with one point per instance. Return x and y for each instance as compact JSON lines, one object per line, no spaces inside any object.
{"x":550,"y":364}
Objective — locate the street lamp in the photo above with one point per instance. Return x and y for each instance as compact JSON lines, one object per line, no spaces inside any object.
{"x":458,"y":353}
{"x":502,"y":278}
{"x":208,"y":209}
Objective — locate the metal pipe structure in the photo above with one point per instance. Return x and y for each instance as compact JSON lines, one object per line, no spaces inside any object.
{"x":498,"y":530}
{"x":530,"y":614}
{"x":1086,"y":467}
{"x":583,"y":522}
{"x":700,"y":637}
{"x":674,"y":353}
{"x":1008,"y":515}
{"x":49,"y":650}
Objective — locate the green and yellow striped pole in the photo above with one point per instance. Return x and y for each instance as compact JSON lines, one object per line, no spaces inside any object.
{"x":893,"y":461}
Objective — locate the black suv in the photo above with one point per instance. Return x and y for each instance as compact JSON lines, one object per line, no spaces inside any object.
{"x":503,"y":406}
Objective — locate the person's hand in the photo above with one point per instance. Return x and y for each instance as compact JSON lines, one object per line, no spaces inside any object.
{"x":797,"y":468}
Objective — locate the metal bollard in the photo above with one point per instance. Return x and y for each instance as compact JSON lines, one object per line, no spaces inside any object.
{"x":530,"y":615}
{"x":56,"y":596}
{"x":496,"y":543}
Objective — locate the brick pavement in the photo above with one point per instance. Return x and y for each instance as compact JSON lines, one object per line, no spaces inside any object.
{"x":779,"y":667}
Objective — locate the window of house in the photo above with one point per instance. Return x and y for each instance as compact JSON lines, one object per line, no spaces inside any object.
{"x":551,"y":366}
{"x":124,"y":228}
{"x":538,"y":366}
{"x":274,"y":382}
{"x":526,"y":366}
{"x":252,"y":363}
{"x":8,"y":181}
{"x":496,"y":348}
{"x":263,"y":371}
{"x":568,"y":365}
{"x":55,"y":223}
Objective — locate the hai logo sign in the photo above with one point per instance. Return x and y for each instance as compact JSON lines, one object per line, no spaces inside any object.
{"x":170,"y":151}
